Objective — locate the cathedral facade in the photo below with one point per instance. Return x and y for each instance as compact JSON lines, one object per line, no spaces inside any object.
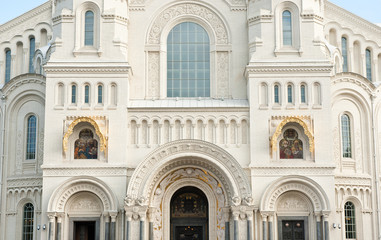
{"x":176,"y":120}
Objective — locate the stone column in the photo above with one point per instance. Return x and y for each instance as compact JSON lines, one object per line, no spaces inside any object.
{"x":113,"y":225}
{"x":151,"y":212}
{"x":107,"y":226}
{"x":270,"y":226}
{"x":227,"y":223}
{"x":264,"y":226}
{"x":255,"y":224}
{"x":249,"y":215}
{"x":318,"y":227}
{"x":142,"y":218}
{"x":128,"y":225}
{"x":59,"y":227}
{"x":52,"y":224}
{"x":236,"y":222}
{"x":326,"y":227}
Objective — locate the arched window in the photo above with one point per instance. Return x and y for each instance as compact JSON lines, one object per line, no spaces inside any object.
{"x":344,"y":52}
{"x":350,"y":220}
{"x":346,"y":136}
{"x":188,"y":61}
{"x":89,"y":28}
{"x":31,"y":137}
{"x":32,"y":48}
{"x":73,"y":94}
{"x":303,"y":94}
{"x":287,"y":28}
{"x":28,"y":221}
{"x":276,"y":94}
{"x":87,"y":94}
{"x":289,"y":93}
{"x":368,"y":56}
{"x":100,"y":94}
{"x":8,"y":65}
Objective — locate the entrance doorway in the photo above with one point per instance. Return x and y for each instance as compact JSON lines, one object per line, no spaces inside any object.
{"x":189,"y":215}
{"x":84,"y":230}
{"x":293,"y":230}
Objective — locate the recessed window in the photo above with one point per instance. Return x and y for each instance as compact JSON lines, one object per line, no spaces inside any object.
{"x":32,"y":48}
{"x":100,"y":94}
{"x":368,"y":56}
{"x":303,"y":94}
{"x":31,"y":138}
{"x":346,"y":136}
{"x":8,"y":60}
{"x":287,"y":28}
{"x":344,"y":50}
{"x":291,"y":147}
{"x":89,"y":28}
{"x":188,"y":61}
{"x":350,"y":220}
{"x":276,"y":94}
{"x":289,"y":93}
{"x":87,"y":94}
{"x":28,"y":222}
{"x":73,"y":94}
{"x":86,"y":147}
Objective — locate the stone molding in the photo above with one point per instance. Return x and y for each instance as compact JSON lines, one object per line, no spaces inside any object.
{"x":69,"y":188}
{"x":188,"y":9}
{"x":356,"y":79}
{"x":292,"y":169}
{"x":50,"y":171}
{"x":214,"y":158}
{"x":21,"y":80}
{"x":301,"y":184}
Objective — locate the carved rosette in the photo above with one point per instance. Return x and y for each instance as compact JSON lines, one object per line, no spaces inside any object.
{"x":171,"y":178}
{"x":189,"y":9}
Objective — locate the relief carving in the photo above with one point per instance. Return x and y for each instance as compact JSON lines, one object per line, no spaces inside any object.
{"x":85,"y":204}
{"x":292,"y":204}
{"x":223,"y":74}
{"x":154,"y":74}
{"x":188,"y":9}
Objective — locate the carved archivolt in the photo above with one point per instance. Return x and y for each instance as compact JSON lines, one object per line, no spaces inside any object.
{"x":214,"y":158}
{"x":82,"y":184}
{"x":298,"y":120}
{"x":188,"y":9}
{"x":300,"y":184}
{"x":103,"y":142}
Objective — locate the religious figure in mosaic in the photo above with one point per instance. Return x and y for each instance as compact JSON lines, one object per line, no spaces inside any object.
{"x":86,"y":147}
{"x":291,"y":147}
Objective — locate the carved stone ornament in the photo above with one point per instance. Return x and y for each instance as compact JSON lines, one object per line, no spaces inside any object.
{"x":298,"y":120}
{"x":188,"y":9}
{"x":103,"y":141}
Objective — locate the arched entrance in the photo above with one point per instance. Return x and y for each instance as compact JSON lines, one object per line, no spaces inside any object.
{"x":189,"y":214}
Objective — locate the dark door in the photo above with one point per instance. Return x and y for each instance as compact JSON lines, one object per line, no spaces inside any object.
{"x":189,"y":215}
{"x":293,"y":230}
{"x":84,"y":230}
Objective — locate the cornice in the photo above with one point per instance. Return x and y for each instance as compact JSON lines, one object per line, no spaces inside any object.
{"x":288,"y":69}
{"x":190,"y":109}
{"x":350,"y":77}
{"x":88,"y":170}
{"x":87,"y":69}
{"x":291,"y":169}
{"x":26,"y":16}
{"x":335,"y":12}
{"x":342,"y":181}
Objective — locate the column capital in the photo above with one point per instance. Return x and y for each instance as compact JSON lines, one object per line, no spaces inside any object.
{"x":113,"y":216}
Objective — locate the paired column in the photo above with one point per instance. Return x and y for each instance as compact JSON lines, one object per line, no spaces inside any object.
{"x":227,"y":222}
{"x":264,"y":226}
{"x":326,"y":227}
{"x":52,"y":224}
{"x":318,"y":227}
{"x":137,"y":213}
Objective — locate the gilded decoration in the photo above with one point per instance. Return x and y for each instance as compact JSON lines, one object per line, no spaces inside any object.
{"x":103,"y":142}
{"x":298,"y":120}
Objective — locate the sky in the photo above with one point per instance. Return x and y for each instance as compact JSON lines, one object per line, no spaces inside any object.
{"x":368,"y":9}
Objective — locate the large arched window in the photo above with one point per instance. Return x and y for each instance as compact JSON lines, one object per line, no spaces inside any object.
{"x":8,"y":60}
{"x":89,"y":28}
{"x":350,"y":220}
{"x":368,"y":59}
{"x":188,"y":61}
{"x":346,"y":136}
{"x":32,"y":48}
{"x":287,"y":28}
{"x":344,"y":52}
{"x":28,"y":220}
{"x":31,"y":137}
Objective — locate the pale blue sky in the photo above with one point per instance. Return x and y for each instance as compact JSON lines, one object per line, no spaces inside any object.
{"x":368,"y":9}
